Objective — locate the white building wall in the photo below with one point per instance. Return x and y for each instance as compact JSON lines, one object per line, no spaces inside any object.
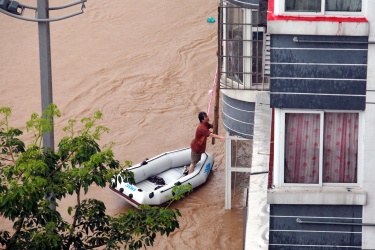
{"x":368,"y":239}
{"x":257,"y":224}
{"x":255,"y":236}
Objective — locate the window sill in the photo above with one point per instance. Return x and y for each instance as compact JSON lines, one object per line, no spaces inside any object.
{"x":317,"y":196}
{"x":323,"y":28}
{"x":318,"y":18}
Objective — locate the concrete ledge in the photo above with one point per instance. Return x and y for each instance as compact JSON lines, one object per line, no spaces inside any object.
{"x":318,"y":28}
{"x":318,"y":196}
{"x":257,"y":228}
{"x":242,"y":95}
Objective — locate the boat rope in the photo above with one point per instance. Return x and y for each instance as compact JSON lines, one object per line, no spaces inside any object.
{"x":211,"y":92}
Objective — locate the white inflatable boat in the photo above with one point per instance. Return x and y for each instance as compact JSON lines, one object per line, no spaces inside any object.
{"x":156,"y":177}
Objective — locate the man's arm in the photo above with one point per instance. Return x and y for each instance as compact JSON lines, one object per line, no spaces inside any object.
{"x":217,"y":136}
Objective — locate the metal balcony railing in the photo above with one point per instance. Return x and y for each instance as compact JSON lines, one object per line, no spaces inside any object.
{"x":243,"y":53}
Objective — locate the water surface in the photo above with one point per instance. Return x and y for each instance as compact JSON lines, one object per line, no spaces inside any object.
{"x":148,"y":66}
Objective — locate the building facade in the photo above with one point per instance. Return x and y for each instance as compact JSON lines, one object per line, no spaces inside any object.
{"x":316,"y":60}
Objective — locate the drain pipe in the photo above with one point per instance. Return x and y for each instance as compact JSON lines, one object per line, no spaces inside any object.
{"x":296,"y":40}
{"x":335,"y":223}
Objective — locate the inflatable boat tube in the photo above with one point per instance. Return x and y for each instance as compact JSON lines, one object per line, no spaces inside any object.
{"x":155,"y":177}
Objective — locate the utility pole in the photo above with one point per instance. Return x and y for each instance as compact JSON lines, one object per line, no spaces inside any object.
{"x":45,"y":66}
{"x":16,"y":10}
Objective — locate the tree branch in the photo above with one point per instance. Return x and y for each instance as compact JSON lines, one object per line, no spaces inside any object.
{"x":15,"y":235}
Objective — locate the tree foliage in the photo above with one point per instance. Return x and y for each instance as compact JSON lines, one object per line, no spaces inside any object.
{"x":34,"y":179}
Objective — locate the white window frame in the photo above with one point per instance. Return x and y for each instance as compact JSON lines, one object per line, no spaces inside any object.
{"x":280,"y":9}
{"x":280,"y":150}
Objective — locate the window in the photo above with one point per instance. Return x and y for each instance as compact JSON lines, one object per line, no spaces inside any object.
{"x":323,"y":6}
{"x":320,"y":148}
{"x":302,"y":6}
{"x":243,"y":43}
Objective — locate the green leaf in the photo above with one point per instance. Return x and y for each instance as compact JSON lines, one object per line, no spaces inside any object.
{"x":70,"y":209}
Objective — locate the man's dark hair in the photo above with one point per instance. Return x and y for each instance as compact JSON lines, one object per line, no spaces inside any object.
{"x":201,"y":116}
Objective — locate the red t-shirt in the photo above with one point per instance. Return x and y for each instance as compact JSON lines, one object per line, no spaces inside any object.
{"x":198,"y":145}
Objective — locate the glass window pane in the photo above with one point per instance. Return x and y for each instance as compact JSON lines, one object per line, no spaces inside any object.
{"x":344,"y":5}
{"x":303,"y":5}
{"x":340,"y":148}
{"x":302,"y":139}
{"x":234,"y":46}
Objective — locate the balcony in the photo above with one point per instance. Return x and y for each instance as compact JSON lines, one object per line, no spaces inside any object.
{"x":243,"y":46}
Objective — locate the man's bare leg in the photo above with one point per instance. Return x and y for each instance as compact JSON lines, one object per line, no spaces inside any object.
{"x":191,"y":168}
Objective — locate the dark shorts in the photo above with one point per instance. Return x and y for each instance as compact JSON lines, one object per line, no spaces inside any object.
{"x":195,"y":157}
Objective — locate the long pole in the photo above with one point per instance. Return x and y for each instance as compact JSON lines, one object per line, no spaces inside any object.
{"x":217,"y":89}
{"x":45,"y":66}
{"x":216,"y":107}
{"x":45,"y":70}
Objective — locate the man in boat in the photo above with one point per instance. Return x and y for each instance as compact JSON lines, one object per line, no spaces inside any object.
{"x":198,"y":145}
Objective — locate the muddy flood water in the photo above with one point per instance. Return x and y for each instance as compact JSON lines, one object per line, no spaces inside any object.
{"x":148,"y":66}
